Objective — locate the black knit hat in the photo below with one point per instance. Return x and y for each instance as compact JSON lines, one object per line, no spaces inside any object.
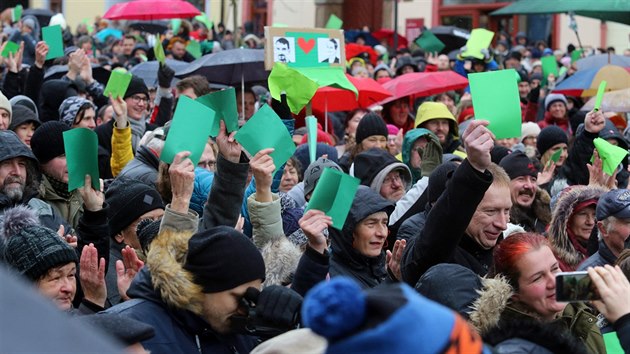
{"x":47,"y":141}
{"x":129,"y":199}
{"x":371,"y":124}
{"x":498,"y":152}
{"x":222,"y":258}
{"x":136,"y":85}
{"x":30,"y":248}
{"x":518,"y":164}
{"x":549,"y":137}
{"x":23,"y":115}
{"x":146,"y":230}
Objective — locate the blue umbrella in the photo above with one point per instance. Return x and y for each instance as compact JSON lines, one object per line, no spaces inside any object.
{"x":103,"y":34}
{"x":351,"y":37}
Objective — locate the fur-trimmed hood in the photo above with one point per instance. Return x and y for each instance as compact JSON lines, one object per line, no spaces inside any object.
{"x":540,"y":215}
{"x":494,"y":297}
{"x":561,"y":213}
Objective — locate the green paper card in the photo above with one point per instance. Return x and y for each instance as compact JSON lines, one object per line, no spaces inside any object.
{"x":610,"y":154}
{"x":299,"y":88}
{"x":158,"y":50}
{"x":10,"y":48}
{"x":555,"y":156}
{"x":429,"y":42}
{"x":311,"y":131}
{"x":306,"y":48}
{"x":117,"y":84}
{"x":612,"y":344}
{"x":600,"y":95}
{"x":496,"y":99}
{"x":205,"y":20}
{"x":480,"y":38}
{"x":190,"y":129}
{"x":194,"y":48}
{"x":176,"y":23}
{"x":576,"y":55}
{"x":266,"y":130}
{"x":334,"y":22}
{"x":549,"y":66}
{"x":90,"y":27}
{"x":333,"y":195}
{"x":16,"y":13}
{"x":81,"y":146}
{"x":223,"y":103}
{"x":52,"y":36}
{"x":331,"y":76}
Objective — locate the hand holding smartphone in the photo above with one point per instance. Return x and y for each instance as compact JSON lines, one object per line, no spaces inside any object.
{"x":575,"y":287}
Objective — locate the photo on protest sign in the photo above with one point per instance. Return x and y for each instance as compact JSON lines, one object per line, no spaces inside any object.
{"x":304,"y":47}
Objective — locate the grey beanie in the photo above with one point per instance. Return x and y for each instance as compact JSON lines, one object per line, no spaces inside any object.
{"x":314,"y":172}
{"x":554,"y":97}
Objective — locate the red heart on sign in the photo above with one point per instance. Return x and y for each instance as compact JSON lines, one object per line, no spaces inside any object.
{"x":306,"y":46}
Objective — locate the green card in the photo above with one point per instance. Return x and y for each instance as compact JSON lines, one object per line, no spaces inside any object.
{"x":306,"y":49}
{"x":480,"y":38}
{"x":278,"y":24}
{"x":496,"y":99}
{"x":333,"y":195}
{"x":334,"y":22}
{"x":429,"y":42}
{"x":205,"y":20}
{"x":576,"y":55}
{"x":52,"y":36}
{"x":275,"y":136}
{"x":329,"y":76}
{"x":556,"y":156}
{"x":549,"y":66}
{"x":190,"y":129}
{"x":81,"y":146}
{"x":10,"y":48}
{"x":117,"y":84}
{"x":610,"y":154}
{"x":16,"y":13}
{"x":176,"y":23}
{"x":299,"y":88}
{"x":194,"y":48}
{"x":88,"y":25}
{"x":612,"y":344}
{"x":311,"y":131}
{"x":224,"y":104}
{"x":158,"y":50}
{"x":600,"y":95}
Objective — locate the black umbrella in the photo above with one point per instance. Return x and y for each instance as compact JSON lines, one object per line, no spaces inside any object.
{"x":147,"y":71}
{"x":99,"y":73}
{"x":43,"y":15}
{"x":229,"y":67}
{"x":150,"y":26}
{"x":453,"y":37}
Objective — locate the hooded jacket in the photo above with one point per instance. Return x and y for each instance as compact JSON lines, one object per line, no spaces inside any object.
{"x":566,"y":253}
{"x":432,"y":110}
{"x":345,"y":260}
{"x":433,"y":144}
{"x":536,"y":217}
{"x":143,"y":167}
{"x":164,"y":295}
{"x":70,"y":209}
{"x":494,"y":314}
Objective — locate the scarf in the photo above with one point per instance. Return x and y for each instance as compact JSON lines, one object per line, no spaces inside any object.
{"x":138,"y":128}
{"x":59,"y":187}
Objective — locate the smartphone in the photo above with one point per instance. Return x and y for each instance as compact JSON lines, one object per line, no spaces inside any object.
{"x":575,"y":286}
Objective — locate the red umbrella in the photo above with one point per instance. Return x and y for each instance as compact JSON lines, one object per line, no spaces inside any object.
{"x":151,"y":10}
{"x":424,"y":84}
{"x":334,"y":99}
{"x":389,"y":34}
{"x":353,"y":50}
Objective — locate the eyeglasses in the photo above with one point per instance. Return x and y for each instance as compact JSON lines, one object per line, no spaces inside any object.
{"x":393,"y":178}
{"x":139,"y":98}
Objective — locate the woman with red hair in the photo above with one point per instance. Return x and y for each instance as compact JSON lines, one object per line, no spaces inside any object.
{"x":523,"y":290}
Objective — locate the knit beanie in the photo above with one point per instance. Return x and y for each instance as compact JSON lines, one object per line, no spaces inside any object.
{"x":371,"y":124}
{"x":392,"y":129}
{"x":518,"y":164}
{"x":498,"y":152}
{"x":128,"y":199}
{"x":70,"y":107}
{"x":302,"y":154}
{"x":136,"y":85}
{"x":47,"y":141}
{"x":222,"y":258}
{"x":6,"y":105}
{"x":554,"y":97}
{"x":549,"y":137}
{"x":30,"y":248}
{"x":380,"y":320}
{"x":146,"y":230}
{"x":529,"y":129}
{"x":21,"y":100}
{"x":314,"y":172}
{"x":23,"y":115}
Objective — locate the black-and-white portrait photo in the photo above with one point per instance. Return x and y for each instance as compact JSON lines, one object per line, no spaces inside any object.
{"x":328,"y":50}
{"x":284,"y":49}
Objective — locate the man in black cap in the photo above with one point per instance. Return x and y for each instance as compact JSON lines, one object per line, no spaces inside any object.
{"x":530,"y":204}
{"x":613,"y":223}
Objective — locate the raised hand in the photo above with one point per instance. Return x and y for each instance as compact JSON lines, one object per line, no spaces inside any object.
{"x":92,"y":199}
{"x":41,"y":50}
{"x":313,"y":223}
{"x":92,"y":276}
{"x":126,"y":270}
{"x":262,"y":167}
{"x":546,"y":174}
{"x":182,"y":175}
{"x":394,"y":258}
{"x":14,"y":61}
{"x":613,"y":288}
{"x":120,"y":111}
{"x":228,"y":147}
{"x":478,"y":141}
{"x":594,"y":122}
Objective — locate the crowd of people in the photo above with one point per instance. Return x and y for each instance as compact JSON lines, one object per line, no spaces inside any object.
{"x":452,"y":243}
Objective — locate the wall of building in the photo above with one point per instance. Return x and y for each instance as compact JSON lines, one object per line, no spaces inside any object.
{"x":294,"y":13}
{"x":75,"y":11}
{"x":618,"y":36}
{"x":413,"y":9}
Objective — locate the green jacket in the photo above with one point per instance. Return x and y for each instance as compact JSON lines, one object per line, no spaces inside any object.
{"x":70,"y":209}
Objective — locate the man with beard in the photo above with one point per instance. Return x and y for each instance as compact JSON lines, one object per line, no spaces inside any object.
{"x":530,"y":204}
{"x":19,"y":181}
